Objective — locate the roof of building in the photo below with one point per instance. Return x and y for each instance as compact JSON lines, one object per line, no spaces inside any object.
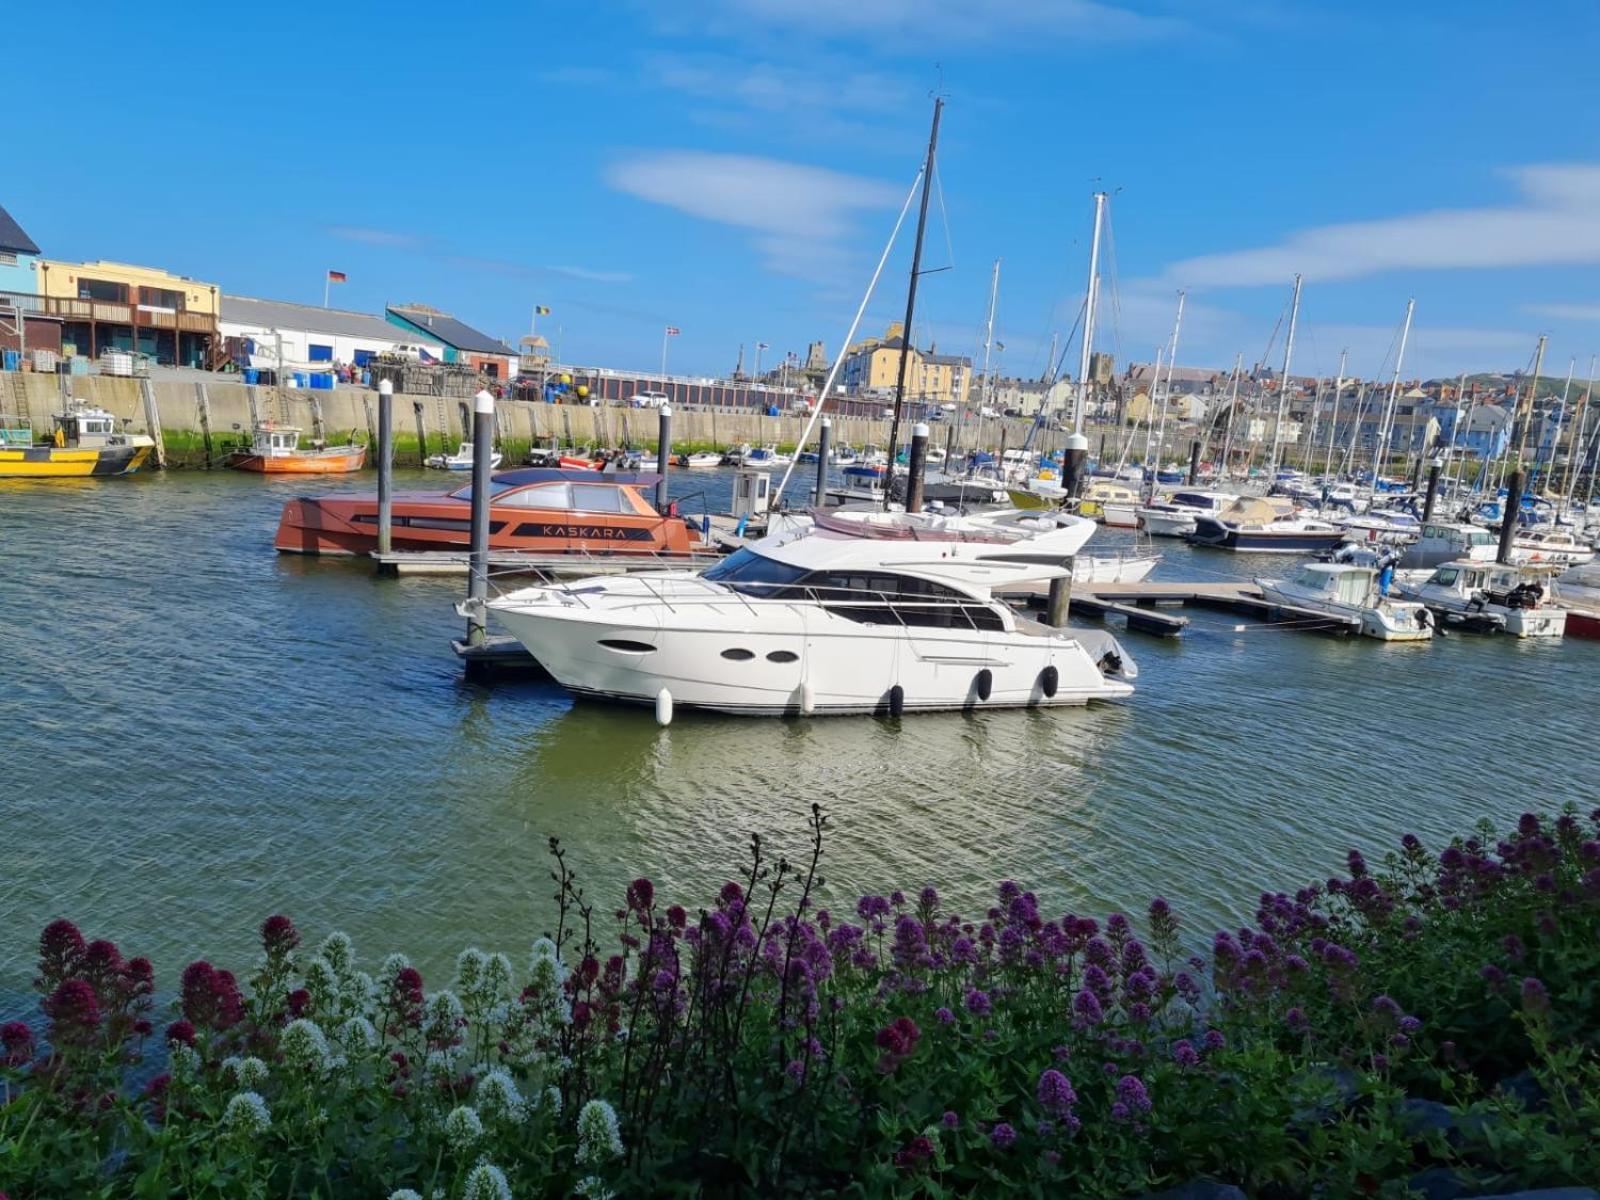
{"x":949,"y":360}
{"x":1141,"y":371}
{"x":280,"y":314}
{"x":13,"y":238}
{"x":449,"y":330}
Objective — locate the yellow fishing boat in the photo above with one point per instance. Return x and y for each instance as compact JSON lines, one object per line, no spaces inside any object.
{"x":85,"y":442}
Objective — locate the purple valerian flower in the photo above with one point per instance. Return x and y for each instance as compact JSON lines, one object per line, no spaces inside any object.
{"x":1535,"y":999}
{"x":949,"y":1120}
{"x":1491,"y":974}
{"x":1410,"y":1025}
{"x":1296,"y":1020}
{"x":976,"y":1001}
{"x":796,"y":1070}
{"x":1002,"y":1136}
{"x":1055,"y":1093}
{"x":928,"y":898}
{"x":1214,"y":1041}
{"x":1087,"y":1005}
{"x":1386,"y":1006}
{"x":943,"y":1015}
{"x":1184,"y":1053}
{"x":1131,"y":1091}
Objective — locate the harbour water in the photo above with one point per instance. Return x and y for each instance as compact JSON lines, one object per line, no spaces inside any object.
{"x":196,"y":732}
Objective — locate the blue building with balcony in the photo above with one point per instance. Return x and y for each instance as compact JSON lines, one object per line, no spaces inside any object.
{"x":19,"y":264}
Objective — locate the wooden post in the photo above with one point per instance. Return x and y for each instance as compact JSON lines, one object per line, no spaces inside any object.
{"x":1194,"y":462}
{"x":385,"y":466}
{"x":824,"y":448}
{"x":478,"y":580}
{"x":1433,"y":489}
{"x":663,"y":455}
{"x":1513,"y":510}
{"x":203,"y":404}
{"x":422,"y":435}
{"x":152,"y":419}
{"x":916,"y":465}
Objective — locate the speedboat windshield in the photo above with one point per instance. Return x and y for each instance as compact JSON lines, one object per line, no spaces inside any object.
{"x":497,"y":487}
{"x":754,"y":574}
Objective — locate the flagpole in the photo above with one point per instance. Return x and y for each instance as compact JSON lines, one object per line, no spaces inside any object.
{"x":327,"y":281}
{"x":664,"y":336}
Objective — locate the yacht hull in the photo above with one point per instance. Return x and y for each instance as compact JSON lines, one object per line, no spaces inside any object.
{"x":1388,"y":622}
{"x":775,"y":659}
{"x":1208,"y":531}
{"x":1166,"y":524}
{"x":39,"y":462}
{"x":1118,"y":515}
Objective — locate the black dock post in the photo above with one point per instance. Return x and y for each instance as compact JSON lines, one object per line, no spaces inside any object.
{"x":663,"y":455}
{"x":478,"y":585}
{"x":1074,"y":457}
{"x":422,"y":435}
{"x":1433,"y":489}
{"x":385,"y":465}
{"x":1513,"y":510}
{"x":916,"y":466}
{"x":1194,"y":462}
{"x":824,"y":448}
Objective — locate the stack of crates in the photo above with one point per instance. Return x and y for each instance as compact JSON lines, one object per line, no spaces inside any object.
{"x":44,"y":361}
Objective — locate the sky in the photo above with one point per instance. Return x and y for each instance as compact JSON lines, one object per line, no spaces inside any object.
{"x":734,"y":168}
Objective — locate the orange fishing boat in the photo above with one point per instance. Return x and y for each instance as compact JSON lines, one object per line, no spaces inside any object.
{"x":275,"y":450}
{"x":535,"y":509}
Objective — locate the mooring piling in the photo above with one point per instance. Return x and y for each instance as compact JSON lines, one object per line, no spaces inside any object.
{"x":916,"y":466}
{"x":385,"y":465}
{"x":1433,"y":489}
{"x":663,"y":455}
{"x":478,"y":585}
{"x":824,"y":448}
{"x":1074,"y":457}
{"x":1513,"y":510}
{"x":1194,"y":461}
{"x":422,"y":435}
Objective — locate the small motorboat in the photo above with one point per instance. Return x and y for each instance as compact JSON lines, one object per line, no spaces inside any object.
{"x":1114,"y":502}
{"x":1488,"y":595}
{"x":701,"y":460}
{"x":461,"y":460}
{"x":1264,"y":526}
{"x":85,"y":442}
{"x":1175,"y":515}
{"x":1446,"y":541}
{"x":1578,"y":591}
{"x":1556,"y":546}
{"x":766,"y":458}
{"x":275,"y":450}
{"x":1347,"y":590}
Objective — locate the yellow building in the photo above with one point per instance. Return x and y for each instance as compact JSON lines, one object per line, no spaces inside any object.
{"x":118,"y":306}
{"x":872,"y":367}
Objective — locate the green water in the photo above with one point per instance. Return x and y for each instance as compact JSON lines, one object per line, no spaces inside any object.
{"x":196,"y":732}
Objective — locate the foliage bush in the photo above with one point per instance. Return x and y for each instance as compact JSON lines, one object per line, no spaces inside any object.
{"x":1432,"y":1014}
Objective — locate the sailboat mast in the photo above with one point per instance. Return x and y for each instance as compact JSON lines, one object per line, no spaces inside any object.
{"x":1233,"y":411}
{"x":1283,"y":385}
{"x":1561,"y":412}
{"x":1386,"y":426}
{"x":911,"y":301}
{"x":1575,"y":441}
{"x":1091,"y":297}
{"x":1333,"y":425}
{"x":988,"y":333}
{"x":1166,"y":397}
{"x":1525,"y":410}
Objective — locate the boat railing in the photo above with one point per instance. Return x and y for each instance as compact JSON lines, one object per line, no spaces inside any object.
{"x":16,"y":433}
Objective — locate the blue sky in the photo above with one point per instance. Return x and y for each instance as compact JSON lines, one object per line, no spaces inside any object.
{"x":733,"y":167}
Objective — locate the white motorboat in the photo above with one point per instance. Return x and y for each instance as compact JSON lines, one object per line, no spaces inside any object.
{"x":766,"y":457}
{"x":1389,"y":526}
{"x":1551,"y":546}
{"x":1264,"y":526}
{"x":461,"y":460}
{"x":1113,"y":501}
{"x":846,"y":611}
{"x":1175,"y":516}
{"x":1346,"y":590}
{"x":1128,"y":567}
{"x":1489,"y":596}
{"x":701,"y":460}
{"x":1446,"y":541}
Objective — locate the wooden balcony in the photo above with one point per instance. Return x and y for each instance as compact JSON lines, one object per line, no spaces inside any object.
{"x":137,"y":315}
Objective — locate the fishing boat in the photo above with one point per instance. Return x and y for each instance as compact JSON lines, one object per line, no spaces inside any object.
{"x":534,"y":509}
{"x":1175,"y":515}
{"x":854,"y":611}
{"x":1346,"y":590}
{"x":1556,"y":546}
{"x":1446,"y":541}
{"x":275,"y":450}
{"x":843,"y":456}
{"x":1264,"y":526}
{"x":84,"y":442}
{"x":1490,"y":595}
{"x":461,"y":460}
{"x":765,"y":457}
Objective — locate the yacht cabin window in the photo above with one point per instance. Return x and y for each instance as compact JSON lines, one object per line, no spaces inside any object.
{"x":1446,"y":576}
{"x":548,"y":495}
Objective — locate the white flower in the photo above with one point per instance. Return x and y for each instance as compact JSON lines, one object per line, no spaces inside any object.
{"x":545,"y":952}
{"x":497,"y":1097}
{"x":359,"y":991}
{"x":552,"y":1100}
{"x":462,"y":1128}
{"x":248,"y":1073}
{"x":183,"y":1062}
{"x":444,"y":1008}
{"x":405,"y":1194}
{"x":469,"y":969}
{"x":247,"y":1114}
{"x":339,"y":952}
{"x":486,"y":1182}
{"x":322,"y":981}
{"x":304,"y":1045}
{"x":594,"y":1189}
{"x":358,"y":1035}
{"x":439,"y":1064}
{"x":393,"y":965}
{"x":496,"y":976}
{"x":598,"y":1136}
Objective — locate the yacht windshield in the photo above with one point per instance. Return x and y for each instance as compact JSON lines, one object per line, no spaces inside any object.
{"x":495,"y":488}
{"x":746,"y":571}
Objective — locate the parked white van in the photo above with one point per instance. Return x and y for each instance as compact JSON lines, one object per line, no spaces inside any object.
{"x":648,"y":399}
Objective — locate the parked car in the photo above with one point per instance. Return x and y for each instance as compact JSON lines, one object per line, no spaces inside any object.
{"x":648,"y":399}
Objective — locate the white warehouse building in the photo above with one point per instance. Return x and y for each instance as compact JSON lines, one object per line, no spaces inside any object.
{"x":317,"y":339}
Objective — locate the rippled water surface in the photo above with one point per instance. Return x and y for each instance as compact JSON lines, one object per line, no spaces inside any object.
{"x":195,"y":732}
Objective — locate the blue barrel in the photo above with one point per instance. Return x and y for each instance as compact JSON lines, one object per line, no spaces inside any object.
{"x":301,"y":379}
{"x":366,"y":379}
{"x":12,"y":360}
{"x":252,"y":376}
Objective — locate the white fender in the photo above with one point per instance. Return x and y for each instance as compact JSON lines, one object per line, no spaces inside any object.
{"x":808,"y":699}
{"x":663,"y":707}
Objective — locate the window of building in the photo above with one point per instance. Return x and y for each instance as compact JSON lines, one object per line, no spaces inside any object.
{"x":316,"y":353}
{"x":154,"y":297}
{"x":7,"y":259}
{"x":363,"y":357}
{"x":102,"y":289}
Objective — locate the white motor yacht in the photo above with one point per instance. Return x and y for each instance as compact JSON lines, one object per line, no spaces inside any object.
{"x":846,"y":611}
{"x":1346,"y":590}
{"x":1264,"y":526}
{"x":1390,"y":526}
{"x":1490,"y":596}
{"x":1446,"y":541}
{"x":1553,"y":546}
{"x":1175,"y":515}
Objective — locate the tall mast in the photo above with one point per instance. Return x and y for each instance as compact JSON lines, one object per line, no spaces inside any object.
{"x":911,"y":300}
{"x":1333,"y":425}
{"x":988,"y":335}
{"x":1455,"y":425}
{"x":1575,"y":442}
{"x":1525,"y":411}
{"x":1283,"y":385}
{"x":1166,"y":399}
{"x":1091,"y":296}
{"x":1561,"y":412}
{"x":1233,"y":411}
{"x":1386,"y":426}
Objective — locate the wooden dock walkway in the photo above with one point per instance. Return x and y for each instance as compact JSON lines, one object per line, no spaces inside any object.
{"x":1136,"y":603}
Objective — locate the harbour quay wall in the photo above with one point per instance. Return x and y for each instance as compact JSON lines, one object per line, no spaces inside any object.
{"x":184,"y":408}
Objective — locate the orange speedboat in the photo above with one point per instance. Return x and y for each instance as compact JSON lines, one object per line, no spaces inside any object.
{"x":275,"y":450}
{"x":534,"y":509}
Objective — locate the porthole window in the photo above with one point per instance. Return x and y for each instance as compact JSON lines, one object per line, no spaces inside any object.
{"x":783,"y":656}
{"x":738,"y":655}
{"x":626,"y":646}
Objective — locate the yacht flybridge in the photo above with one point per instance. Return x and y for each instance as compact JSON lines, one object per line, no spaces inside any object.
{"x":848,"y":611}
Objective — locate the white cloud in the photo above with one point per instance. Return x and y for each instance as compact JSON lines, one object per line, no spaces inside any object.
{"x":779,"y":88}
{"x":590,"y":275}
{"x":801,"y":216}
{"x":959,"y":21}
{"x":1555,"y":221}
{"x":377,"y":237}
{"x":1566,"y":312}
